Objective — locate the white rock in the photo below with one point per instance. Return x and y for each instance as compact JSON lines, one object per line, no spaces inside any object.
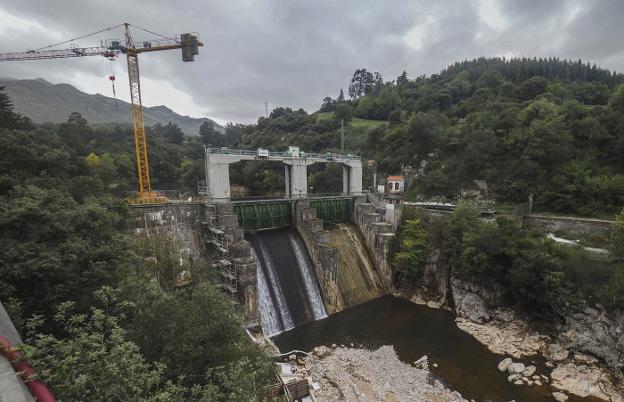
{"x":504,"y":364}
{"x":560,"y":396}
{"x":513,"y":377}
{"x":529,"y":371}
{"x":536,"y":377}
{"x":550,"y":364}
{"x":422,"y":362}
{"x":515,"y":368}
{"x":518,"y":382}
{"x":435,"y":365}
{"x":538,"y":383}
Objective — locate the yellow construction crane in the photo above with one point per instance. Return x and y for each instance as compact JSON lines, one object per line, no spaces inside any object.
{"x":188,"y":42}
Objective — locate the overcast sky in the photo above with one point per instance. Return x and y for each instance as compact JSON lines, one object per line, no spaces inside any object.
{"x":296,"y":52}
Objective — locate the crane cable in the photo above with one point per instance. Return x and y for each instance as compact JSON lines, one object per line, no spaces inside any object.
{"x":154,"y":33}
{"x":100,"y":31}
{"x":79,"y":37}
{"x":112,"y":79}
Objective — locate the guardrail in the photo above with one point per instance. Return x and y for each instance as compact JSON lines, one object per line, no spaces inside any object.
{"x":328,"y":156}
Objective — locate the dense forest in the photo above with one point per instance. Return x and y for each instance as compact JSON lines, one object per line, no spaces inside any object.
{"x":548,"y":128}
{"x":82,"y":293}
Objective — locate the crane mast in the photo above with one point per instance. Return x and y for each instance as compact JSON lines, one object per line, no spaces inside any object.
{"x":138,"y":123}
{"x":111,"y":49}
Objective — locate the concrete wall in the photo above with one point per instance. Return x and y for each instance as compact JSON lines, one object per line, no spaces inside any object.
{"x":181,"y":221}
{"x":322,"y":253}
{"x":377,"y":234}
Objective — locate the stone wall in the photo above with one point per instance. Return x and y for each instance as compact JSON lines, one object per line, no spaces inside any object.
{"x":181,"y":221}
{"x":580,"y":226}
{"x":322,"y":253}
{"x":377,"y":235}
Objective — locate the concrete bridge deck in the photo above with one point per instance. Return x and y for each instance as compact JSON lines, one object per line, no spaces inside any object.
{"x":295,"y":169}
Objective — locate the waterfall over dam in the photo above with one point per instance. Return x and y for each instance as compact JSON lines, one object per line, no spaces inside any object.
{"x":288,"y":291}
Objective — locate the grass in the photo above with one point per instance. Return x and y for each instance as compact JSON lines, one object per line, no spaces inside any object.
{"x":356,"y":122}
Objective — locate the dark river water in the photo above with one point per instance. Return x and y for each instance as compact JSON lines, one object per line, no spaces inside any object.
{"x":414,"y":330}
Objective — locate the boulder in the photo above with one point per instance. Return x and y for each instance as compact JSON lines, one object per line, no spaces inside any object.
{"x":469,"y":304}
{"x":594,"y":332}
{"x":518,"y":382}
{"x":422,"y":362}
{"x":529,"y":371}
{"x":321,"y":351}
{"x":515,"y":368}
{"x":560,"y":396}
{"x":504,"y":364}
{"x":513,"y":377}
{"x":556,"y":352}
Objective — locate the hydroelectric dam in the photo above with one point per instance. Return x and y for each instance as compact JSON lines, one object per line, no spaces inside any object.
{"x":283,"y":260}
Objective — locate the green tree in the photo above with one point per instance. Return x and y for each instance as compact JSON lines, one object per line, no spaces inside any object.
{"x":192,"y":332}
{"x":410,"y":259}
{"x":343,"y":111}
{"x":95,"y":361}
{"x":55,"y":249}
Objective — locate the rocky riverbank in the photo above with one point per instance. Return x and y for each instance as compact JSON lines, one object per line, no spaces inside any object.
{"x":352,"y":374}
{"x":574,"y":371}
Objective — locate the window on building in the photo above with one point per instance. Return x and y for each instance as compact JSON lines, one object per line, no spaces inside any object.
{"x":396,"y":185}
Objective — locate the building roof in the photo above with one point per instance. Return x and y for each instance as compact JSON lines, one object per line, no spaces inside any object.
{"x":395,"y":178}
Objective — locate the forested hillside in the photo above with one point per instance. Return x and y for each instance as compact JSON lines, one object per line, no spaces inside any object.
{"x":97,"y":324}
{"x":548,"y":127}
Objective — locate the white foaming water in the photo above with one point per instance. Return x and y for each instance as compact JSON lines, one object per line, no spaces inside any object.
{"x":277,"y":288}
{"x":309,"y":279}
{"x":269,"y":316}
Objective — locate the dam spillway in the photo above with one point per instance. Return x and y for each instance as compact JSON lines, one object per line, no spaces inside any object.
{"x":288,"y":291}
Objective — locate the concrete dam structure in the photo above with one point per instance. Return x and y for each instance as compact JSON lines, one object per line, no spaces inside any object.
{"x":283,"y":261}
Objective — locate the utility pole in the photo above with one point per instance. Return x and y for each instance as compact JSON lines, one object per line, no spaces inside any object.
{"x":266,"y":109}
{"x":342,"y":138}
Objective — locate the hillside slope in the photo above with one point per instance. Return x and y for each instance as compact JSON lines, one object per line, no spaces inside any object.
{"x":43,"y":102}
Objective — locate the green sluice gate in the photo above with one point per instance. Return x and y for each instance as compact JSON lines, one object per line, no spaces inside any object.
{"x":263,"y":215}
{"x":332,"y":210}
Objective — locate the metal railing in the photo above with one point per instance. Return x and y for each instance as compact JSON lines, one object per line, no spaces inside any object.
{"x":377,"y":203}
{"x":327,"y":157}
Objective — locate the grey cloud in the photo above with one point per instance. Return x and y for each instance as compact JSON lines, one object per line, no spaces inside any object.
{"x":295,"y":52}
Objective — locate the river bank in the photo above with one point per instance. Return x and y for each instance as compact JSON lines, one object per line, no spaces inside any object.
{"x":454,"y":356}
{"x":355,"y":374}
{"x":568,"y":350}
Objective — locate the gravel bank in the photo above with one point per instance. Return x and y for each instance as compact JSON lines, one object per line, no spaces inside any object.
{"x":348,"y":374}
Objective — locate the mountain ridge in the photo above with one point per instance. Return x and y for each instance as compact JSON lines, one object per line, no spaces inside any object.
{"x":43,"y":101}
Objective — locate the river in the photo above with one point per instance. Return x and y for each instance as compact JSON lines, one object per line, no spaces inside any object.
{"x":414,"y":330}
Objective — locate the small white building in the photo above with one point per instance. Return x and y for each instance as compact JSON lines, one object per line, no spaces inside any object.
{"x":396,"y":184}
